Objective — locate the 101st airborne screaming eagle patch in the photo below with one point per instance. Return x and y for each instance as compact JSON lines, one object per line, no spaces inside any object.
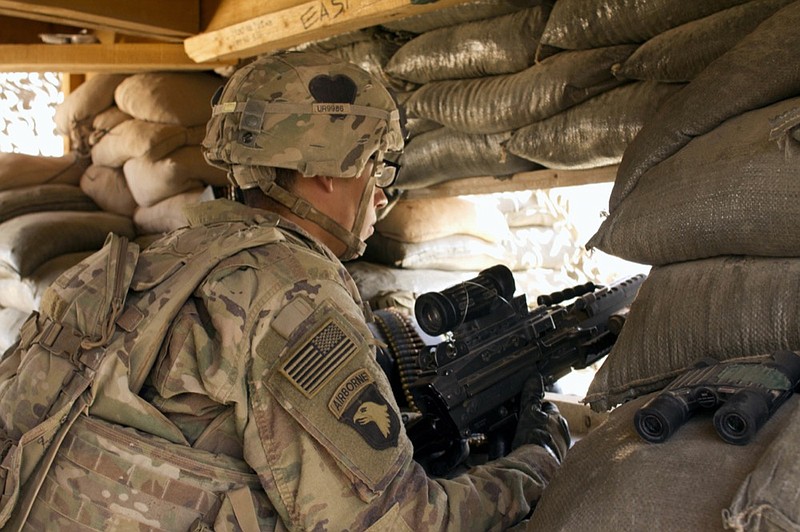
{"x":358,"y":403}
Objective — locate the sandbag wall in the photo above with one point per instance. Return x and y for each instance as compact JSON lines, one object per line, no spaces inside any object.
{"x":135,"y":161}
{"x":707,"y":194}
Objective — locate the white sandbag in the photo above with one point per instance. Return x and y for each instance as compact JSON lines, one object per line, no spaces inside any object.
{"x":25,"y":293}
{"x":153,"y":180}
{"x":166,"y":215}
{"x":108,"y":188}
{"x":451,"y":253}
{"x":40,"y":198}
{"x":105,"y":122}
{"x":27,"y":241}
{"x":11,"y":320}
{"x":178,"y":98}
{"x":138,"y":138}
{"x":21,"y":170}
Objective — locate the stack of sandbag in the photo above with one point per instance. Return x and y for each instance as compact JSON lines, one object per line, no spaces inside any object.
{"x":707,"y":194}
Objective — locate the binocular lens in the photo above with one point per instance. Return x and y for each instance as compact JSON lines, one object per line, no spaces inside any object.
{"x":738,"y":420}
{"x":657,"y":420}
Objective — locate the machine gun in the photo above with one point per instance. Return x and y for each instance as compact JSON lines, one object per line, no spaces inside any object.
{"x":467,"y":387}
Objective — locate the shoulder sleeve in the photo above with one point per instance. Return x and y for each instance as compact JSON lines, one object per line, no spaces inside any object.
{"x":328,"y":442}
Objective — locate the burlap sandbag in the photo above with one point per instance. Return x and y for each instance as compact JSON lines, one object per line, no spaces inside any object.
{"x":75,"y":114}
{"x":11,"y":319}
{"x":421,"y":220}
{"x":500,"y":45}
{"x":166,"y":215}
{"x":459,"y":14}
{"x":138,"y":138}
{"x":443,"y":155}
{"x":25,"y":293}
{"x":731,"y":191}
{"x":593,"y":133}
{"x":450,"y":253}
{"x":178,"y":98}
{"x":505,"y":102}
{"x":108,"y":188}
{"x":27,"y":241}
{"x":40,"y":198}
{"x":105,"y":122}
{"x":21,"y":170}
{"x":723,"y":308}
{"x":613,"y":480}
{"x":679,"y":54}
{"x":151,"y":181}
{"x":579,"y":25}
{"x":761,"y":69}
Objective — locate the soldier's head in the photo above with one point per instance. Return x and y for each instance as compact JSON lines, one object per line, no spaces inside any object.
{"x":310,"y":132}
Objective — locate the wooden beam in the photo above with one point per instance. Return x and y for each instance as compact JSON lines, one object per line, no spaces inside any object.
{"x":536,"y":180}
{"x":309,"y":20}
{"x":124,"y":57}
{"x":170,"y":20}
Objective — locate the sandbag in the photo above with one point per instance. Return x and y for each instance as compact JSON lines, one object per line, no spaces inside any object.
{"x":761,"y":69}
{"x":40,"y":198}
{"x":74,"y":116}
{"x":593,"y":133}
{"x":25,"y":293}
{"x":579,"y":25}
{"x":459,"y":14}
{"x":108,"y":188}
{"x":151,"y":181}
{"x":505,"y":102}
{"x":444,"y":154}
{"x":11,"y":319}
{"x":730,"y":191}
{"x":21,"y":170}
{"x":499,"y":45}
{"x":422,"y":220}
{"x":681,"y":53}
{"x":27,"y":241}
{"x":724,"y":308}
{"x":177,"y":98}
{"x":105,"y":122}
{"x":374,"y":279}
{"x":613,"y":480}
{"x":167,"y":214}
{"x":138,"y":138}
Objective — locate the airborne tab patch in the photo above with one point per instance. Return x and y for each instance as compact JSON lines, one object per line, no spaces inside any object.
{"x":358,"y":403}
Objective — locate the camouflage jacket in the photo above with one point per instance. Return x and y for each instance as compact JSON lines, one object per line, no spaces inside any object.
{"x":272,"y":361}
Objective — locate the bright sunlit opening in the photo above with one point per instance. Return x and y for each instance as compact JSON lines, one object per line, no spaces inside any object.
{"x":28,"y":103}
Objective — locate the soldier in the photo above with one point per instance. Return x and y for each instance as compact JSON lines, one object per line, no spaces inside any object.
{"x":271,"y":361}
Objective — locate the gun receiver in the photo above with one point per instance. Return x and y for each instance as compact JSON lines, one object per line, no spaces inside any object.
{"x":745,"y":394}
{"x":470,"y":384}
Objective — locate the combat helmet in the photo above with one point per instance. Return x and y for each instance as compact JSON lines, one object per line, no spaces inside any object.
{"x":308,"y":112}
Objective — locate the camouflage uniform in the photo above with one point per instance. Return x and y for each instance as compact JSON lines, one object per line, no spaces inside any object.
{"x":272,"y":361}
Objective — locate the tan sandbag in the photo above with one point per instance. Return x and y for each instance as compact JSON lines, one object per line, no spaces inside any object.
{"x":21,"y":170}
{"x":451,"y":253}
{"x":374,"y":279}
{"x":459,"y":14}
{"x":499,"y":45}
{"x":732,"y":191}
{"x":108,"y":188}
{"x":421,"y":220}
{"x":27,"y":241}
{"x":25,"y":293}
{"x":594,"y":133}
{"x":138,"y":138}
{"x":679,"y":54}
{"x":505,"y":102}
{"x":613,"y":480}
{"x":39,"y":198}
{"x":11,"y":319}
{"x":105,"y":122}
{"x":444,"y":155}
{"x":723,"y":308}
{"x":761,"y":69}
{"x":579,"y":25}
{"x":153,"y":180}
{"x":178,"y":98}
{"x":166,"y":215}
{"x":74,"y":116}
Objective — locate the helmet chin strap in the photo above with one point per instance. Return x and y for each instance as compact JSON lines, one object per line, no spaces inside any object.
{"x":354,"y":246}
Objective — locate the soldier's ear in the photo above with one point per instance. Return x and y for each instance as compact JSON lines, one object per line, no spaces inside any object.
{"x":326,"y":182}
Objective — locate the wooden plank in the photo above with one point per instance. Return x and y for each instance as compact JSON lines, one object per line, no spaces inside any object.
{"x":536,"y":180}
{"x":170,"y":20}
{"x":123,"y":57}
{"x":218,"y":14}
{"x":307,"y":21}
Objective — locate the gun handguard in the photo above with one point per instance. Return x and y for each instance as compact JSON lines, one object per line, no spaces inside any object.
{"x":744,"y":394}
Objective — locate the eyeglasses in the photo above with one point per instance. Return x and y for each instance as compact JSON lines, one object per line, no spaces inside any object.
{"x":385,"y":173}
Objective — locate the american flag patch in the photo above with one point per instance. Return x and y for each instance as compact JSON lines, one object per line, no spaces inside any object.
{"x":318,"y":359}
